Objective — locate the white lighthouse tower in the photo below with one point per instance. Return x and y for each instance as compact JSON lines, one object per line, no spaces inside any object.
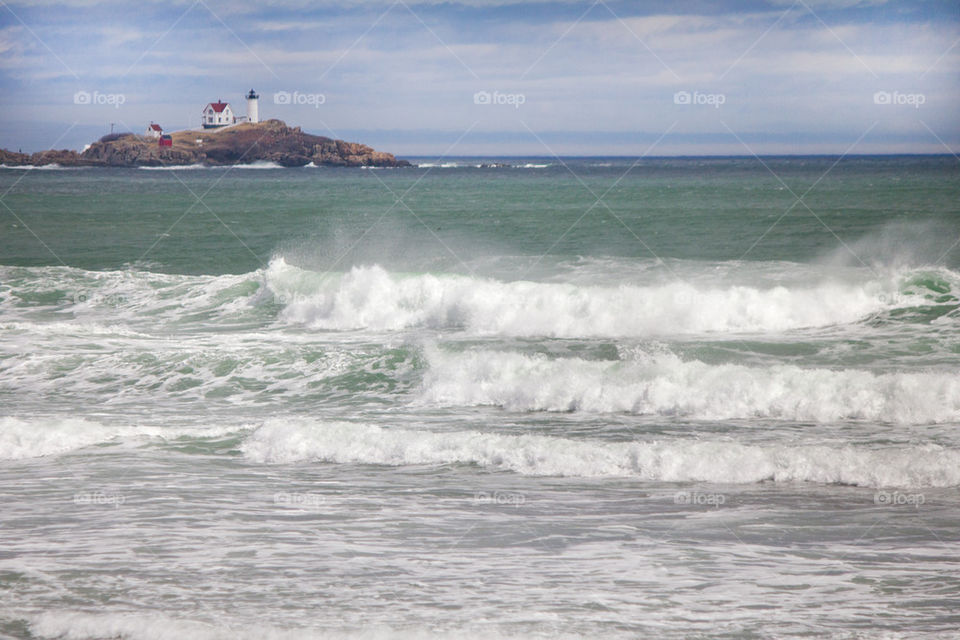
{"x":253,"y":107}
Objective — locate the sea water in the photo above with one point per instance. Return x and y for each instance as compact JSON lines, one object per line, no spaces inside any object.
{"x":574,"y":397}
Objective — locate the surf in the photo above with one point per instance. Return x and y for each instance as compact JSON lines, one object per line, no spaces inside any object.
{"x":304,"y":440}
{"x":663,"y":384}
{"x":372,"y":298}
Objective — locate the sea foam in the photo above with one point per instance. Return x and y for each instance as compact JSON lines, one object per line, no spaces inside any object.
{"x":290,"y":440}
{"x":36,"y":437}
{"x":79,"y":625}
{"x":373,"y":298}
{"x":44,"y":437}
{"x":664,"y":384}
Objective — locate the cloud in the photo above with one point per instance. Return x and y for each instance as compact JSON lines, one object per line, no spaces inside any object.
{"x":781,"y":72}
{"x":11,"y":39}
{"x":831,"y":4}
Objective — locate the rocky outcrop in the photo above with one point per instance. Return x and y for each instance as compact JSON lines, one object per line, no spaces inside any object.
{"x":63,"y":157}
{"x":350,"y":154}
{"x":13,"y":159}
{"x":270,"y":141}
{"x":134,"y":151}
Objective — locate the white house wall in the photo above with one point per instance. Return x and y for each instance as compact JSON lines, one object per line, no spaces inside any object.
{"x":212,"y":117}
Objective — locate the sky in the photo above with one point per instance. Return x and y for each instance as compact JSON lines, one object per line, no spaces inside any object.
{"x":495,"y":77}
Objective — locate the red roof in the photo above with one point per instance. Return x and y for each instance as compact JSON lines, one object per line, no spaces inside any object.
{"x":218,"y":106}
{"x":155,"y":127}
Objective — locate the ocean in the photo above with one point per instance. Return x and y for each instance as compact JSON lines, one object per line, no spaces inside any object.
{"x":565,"y":398}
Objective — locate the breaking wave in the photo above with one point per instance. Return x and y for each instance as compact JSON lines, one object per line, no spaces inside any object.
{"x":53,"y":436}
{"x":292,"y":440}
{"x":373,"y":298}
{"x":663,"y":384}
{"x":178,"y":167}
{"x":38,"y":437}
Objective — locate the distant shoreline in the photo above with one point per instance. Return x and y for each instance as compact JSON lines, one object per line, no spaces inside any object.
{"x":237,"y":145}
{"x":49,"y":160}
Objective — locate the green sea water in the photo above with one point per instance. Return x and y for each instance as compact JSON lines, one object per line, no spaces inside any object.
{"x":569,"y":397}
{"x":215,"y":221}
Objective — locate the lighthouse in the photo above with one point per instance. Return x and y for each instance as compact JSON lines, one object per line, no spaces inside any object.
{"x":253,"y":107}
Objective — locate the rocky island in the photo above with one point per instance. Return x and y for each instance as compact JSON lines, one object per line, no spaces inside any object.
{"x":268,"y":141}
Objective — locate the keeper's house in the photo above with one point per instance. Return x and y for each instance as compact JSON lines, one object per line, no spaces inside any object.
{"x":217,"y":114}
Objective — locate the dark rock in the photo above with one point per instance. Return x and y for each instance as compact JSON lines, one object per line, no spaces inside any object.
{"x":271,"y":141}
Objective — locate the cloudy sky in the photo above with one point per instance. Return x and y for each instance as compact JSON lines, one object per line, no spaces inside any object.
{"x":495,"y":77}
